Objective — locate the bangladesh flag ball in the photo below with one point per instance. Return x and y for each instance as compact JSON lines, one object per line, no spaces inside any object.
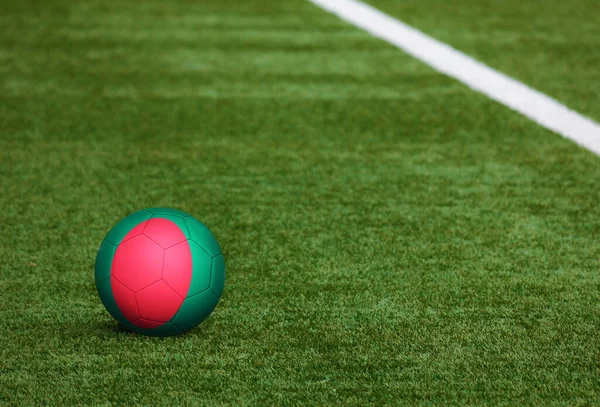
{"x":160,"y":272}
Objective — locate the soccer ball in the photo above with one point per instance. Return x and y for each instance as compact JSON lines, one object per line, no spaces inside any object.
{"x":160,"y":272}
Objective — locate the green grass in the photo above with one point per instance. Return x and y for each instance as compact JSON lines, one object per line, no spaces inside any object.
{"x":551,"y":45}
{"x":390,"y":236}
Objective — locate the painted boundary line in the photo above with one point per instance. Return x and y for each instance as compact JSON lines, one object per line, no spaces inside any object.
{"x":531,"y":103}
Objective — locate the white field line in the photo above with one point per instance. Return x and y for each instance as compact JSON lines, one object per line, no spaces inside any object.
{"x":533,"y":104}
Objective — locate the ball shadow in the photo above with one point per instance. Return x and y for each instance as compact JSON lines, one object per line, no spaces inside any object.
{"x":114,"y":327}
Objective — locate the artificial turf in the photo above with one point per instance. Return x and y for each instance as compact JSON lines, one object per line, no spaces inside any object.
{"x":390,"y":236}
{"x":550,"y":45}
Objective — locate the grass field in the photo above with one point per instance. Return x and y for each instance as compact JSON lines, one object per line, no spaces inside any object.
{"x":391,"y":237}
{"x":550,"y":45}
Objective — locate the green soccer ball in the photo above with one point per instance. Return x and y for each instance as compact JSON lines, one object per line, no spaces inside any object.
{"x":160,"y":272}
